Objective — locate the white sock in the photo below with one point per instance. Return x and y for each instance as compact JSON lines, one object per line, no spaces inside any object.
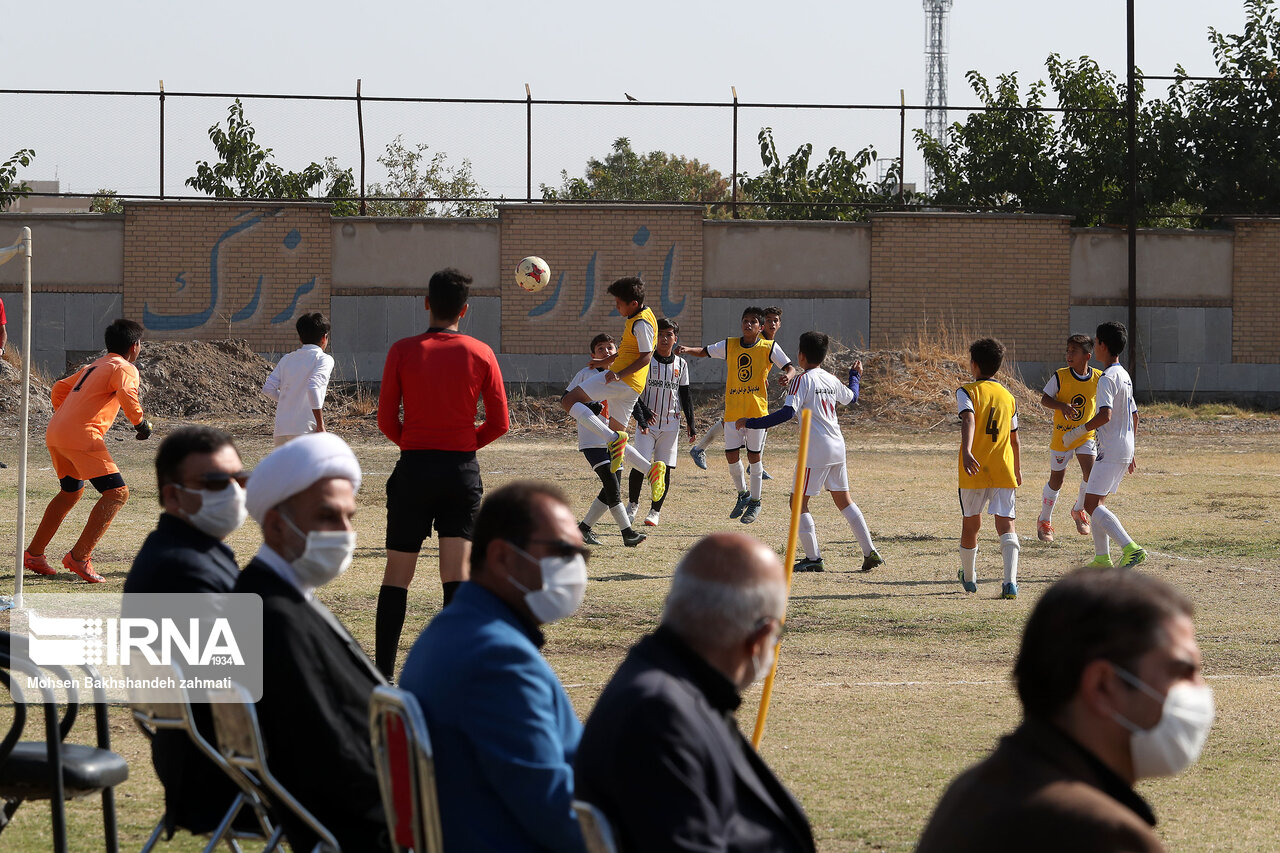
{"x":858,"y":525}
{"x":1048,"y":498}
{"x":635,"y":459}
{"x":739,"y":475}
{"x":620,"y":516}
{"x":1009,"y":548}
{"x":1106,"y":519}
{"x":1079,"y":504}
{"x":594,"y":512}
{"x":580,"y":413}
{"x":710,"y":435}
{"x":1101,"y":547}
{"x":757,"y":479}
{"x":969,"y":563}
{"x":809,"y":537}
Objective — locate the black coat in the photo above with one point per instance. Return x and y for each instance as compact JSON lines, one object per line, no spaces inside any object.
{"x":661,"y":755}
{"x":314,"y":715}
{"x":178,"y":558}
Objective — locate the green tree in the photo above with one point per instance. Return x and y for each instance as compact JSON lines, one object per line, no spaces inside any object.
{"x":625,"y":174}
{"x":245,"y":169}
{"x":10,"y":187}
{"x":105,"y":201}
{"x":815,"y":193}
{"x":413,"y":178}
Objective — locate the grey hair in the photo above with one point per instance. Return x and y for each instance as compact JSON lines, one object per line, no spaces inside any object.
{"x":715,"y":615}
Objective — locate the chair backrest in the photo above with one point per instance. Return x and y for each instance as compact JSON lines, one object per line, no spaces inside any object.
{"x":596,"y":831}
{"x":235,"y":721}
{"x":406,"y":770}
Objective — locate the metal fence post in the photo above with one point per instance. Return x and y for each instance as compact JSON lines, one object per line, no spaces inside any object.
{"x":528,"y":145}
{"x":162,"y":140}
{"x":902,"y":148}
{"x":734,"y":90}
{"x":1132,"y":105}
{"x":364,"y":210}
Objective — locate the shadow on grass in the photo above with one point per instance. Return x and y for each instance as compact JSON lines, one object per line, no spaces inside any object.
{"x":628,"y":576}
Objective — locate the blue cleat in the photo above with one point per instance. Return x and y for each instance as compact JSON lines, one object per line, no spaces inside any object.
{"x":969,"y":586}
{"x":699,"y":457}
{"x":743,"y":499}
{"x":1009,"y":590}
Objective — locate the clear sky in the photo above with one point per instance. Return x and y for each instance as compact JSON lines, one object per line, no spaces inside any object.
{"x":849,"y":51}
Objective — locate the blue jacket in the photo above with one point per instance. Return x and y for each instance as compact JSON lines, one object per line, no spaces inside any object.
{"x":502,"y":728}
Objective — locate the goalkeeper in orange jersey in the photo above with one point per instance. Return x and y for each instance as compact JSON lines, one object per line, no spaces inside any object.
{"x":85,"y":405}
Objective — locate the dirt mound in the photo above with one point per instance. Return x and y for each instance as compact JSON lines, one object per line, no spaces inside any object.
{"x":203,"y":379}
{"x":11,"y":392}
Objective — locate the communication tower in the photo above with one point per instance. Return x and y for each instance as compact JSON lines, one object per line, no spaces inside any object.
{"x":936,"y":45}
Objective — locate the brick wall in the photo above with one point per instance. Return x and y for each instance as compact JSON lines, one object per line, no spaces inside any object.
{"x":211,"y":270}
{"x":1255,"y":314}
{"x":1007,"y":277}
{"x":587,"y":248}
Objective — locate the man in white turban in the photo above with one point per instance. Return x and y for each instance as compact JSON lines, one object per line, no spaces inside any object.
{"x":314,"y":711}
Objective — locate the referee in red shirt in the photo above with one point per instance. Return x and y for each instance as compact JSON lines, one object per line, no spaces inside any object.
{"x":438,"y":376}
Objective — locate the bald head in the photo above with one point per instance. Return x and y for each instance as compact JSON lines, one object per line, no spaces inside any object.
{"x":726,"y":585}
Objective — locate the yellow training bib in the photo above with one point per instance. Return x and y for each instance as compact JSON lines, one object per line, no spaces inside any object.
{"x":746,"y":388}
{"x":1081,"y":393}
{"x":629,"y":349}
{"x":993,"y":411}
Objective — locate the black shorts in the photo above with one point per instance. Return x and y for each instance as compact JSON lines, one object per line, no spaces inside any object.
{"x":597,"y":456}
{"x":440,"y":487}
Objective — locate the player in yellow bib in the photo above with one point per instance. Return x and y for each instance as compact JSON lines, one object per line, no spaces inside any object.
{"x":746,"y":395}
{"x":1072,"y":394}
{"x":621,"y":384}
{"x":990,"y":463}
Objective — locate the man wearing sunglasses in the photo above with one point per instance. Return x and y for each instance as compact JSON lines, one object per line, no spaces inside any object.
{"x":201,"y":482}
{"x":501,"y":723}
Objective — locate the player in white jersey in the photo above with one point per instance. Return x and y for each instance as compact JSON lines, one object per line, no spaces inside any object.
{"x":595,"y":449}
{"x":820,"y":392}
{"x":1116,"y":424}
{"x":666,"y":393}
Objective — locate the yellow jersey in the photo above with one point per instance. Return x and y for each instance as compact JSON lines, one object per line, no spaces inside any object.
{"x":993,"y":412}
{"x":1083,"y":395}
{"x":629,"y":348}
{"x":746,"y":387}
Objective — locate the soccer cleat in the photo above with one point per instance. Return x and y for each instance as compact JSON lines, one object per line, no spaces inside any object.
{"x":38,"y":564}
{"x":807,"y":565}
{"x":1044,"y":530}
{"x":1081,"y":518}
{"x":699,"y":457}
{"x":651,"y":520}
{"x":1009,"y":590}
{"x":751,"y":513}
{"x":1102,"y":561}
{"x":870,"y":561}
{"x":743,"y":497}
{"x":657,"y":480}
{"x":1133,"y":554}
{"x":617,"y":448}
{"x":83,"y":568}
{"x":588,"y":537}
{"x":632,"y":509}
{"x":631,"y":538}
{"x":969,"y":586}
{"x":764,"y":475}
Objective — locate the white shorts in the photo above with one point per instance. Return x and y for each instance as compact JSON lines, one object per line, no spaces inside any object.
{"x":658,"y":445}
{"x":620,"y":396}
{"x":1105,"y":478}
{"x":834,"y":478}
{"x":736,"y":439}
{"x":1058,"y":459}
{"x":997,"y":502}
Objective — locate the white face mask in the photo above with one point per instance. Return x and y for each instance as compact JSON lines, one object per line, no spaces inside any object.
{"x":564,"y":584}
{"x":221,"y":512}
{"x":328,"y":554}
{"x":1174,"y":743}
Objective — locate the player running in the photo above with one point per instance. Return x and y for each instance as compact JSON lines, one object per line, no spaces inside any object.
{"x":820,"y":392}
{"x":85,"y":406}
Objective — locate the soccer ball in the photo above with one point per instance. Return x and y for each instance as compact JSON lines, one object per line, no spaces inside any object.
{"x":533,"y":274}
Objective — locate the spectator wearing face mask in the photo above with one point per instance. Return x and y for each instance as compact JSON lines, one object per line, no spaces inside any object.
{"x":314,"y":710}
{"x":503,"y":730}
{"x":662,"y":755}
{"x":200,"y":481}
{"x":1111,"y":688}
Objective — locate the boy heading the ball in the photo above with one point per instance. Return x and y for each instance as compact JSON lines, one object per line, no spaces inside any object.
{"x":990,"y":463}
{"x":620,"y":384}
{"x":746,"y":395}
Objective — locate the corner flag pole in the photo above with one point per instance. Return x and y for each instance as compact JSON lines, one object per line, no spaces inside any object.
{"x":7,"y":252}
{"x":797,"y":499}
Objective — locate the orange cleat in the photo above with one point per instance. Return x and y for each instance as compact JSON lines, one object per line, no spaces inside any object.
{"x":83,"y":568}
{"x":37,"y":563}
{"x":1082,"y":522}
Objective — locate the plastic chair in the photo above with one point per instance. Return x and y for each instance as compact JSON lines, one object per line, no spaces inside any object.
{"x":596,"y":831}
{"x":406,"y":770}
{"x":174,"y":713}
{"x":235,"y":720}
{"x":54,"y":770}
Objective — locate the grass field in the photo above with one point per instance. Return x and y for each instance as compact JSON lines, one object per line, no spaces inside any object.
{"x":889,"y":683}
